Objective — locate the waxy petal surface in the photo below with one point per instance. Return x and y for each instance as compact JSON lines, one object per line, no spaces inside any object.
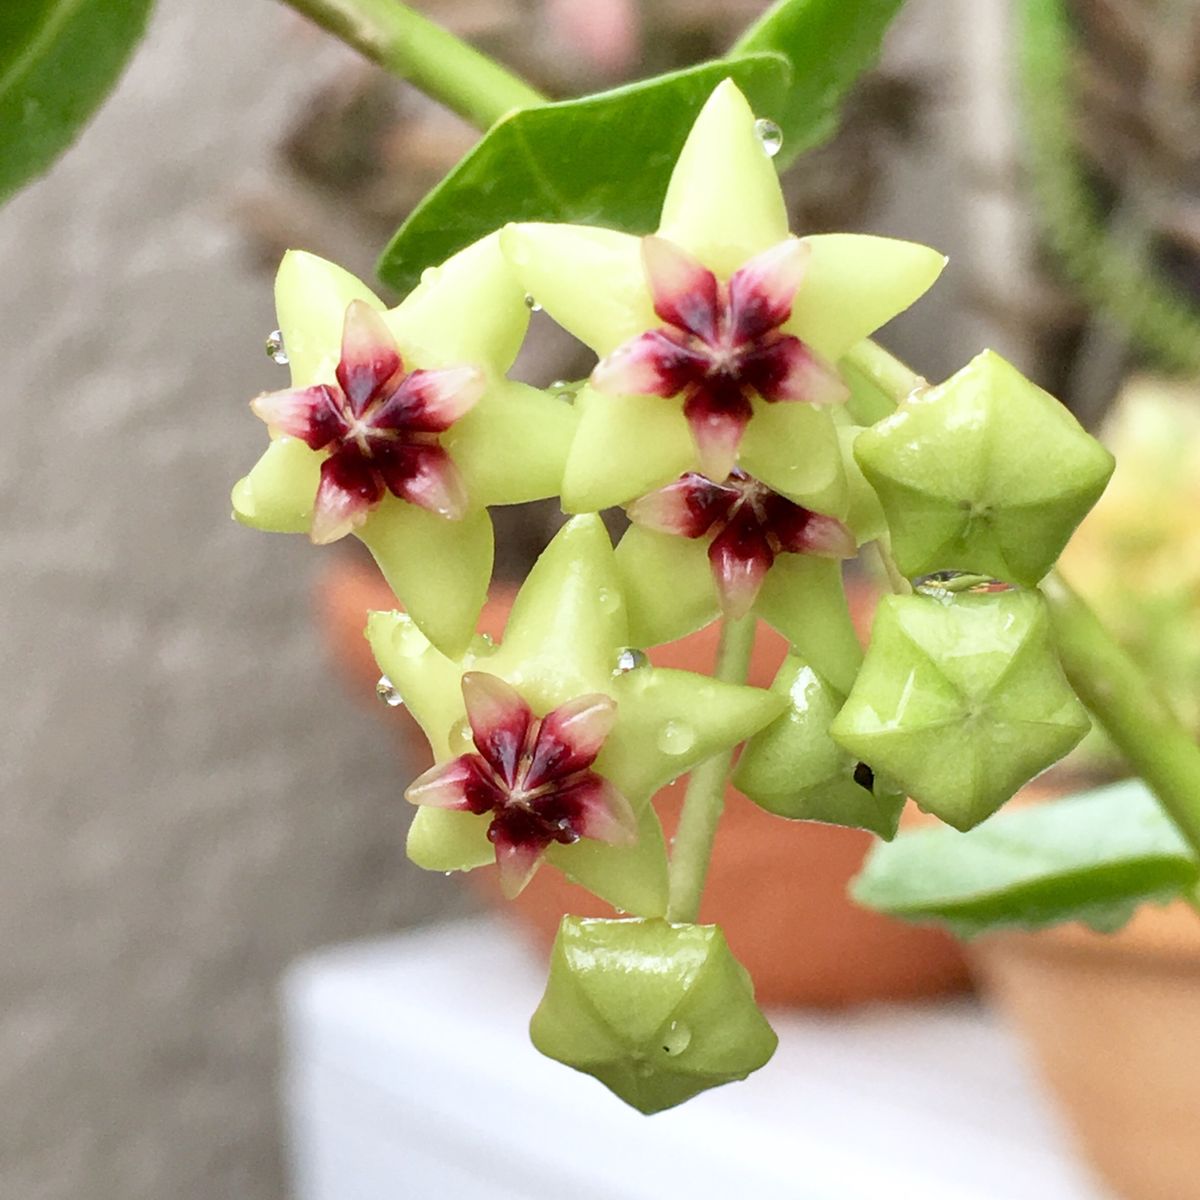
{"x":277,"y":495}
{"x":368,"y":356}
{"x":684,"y":290}
{"x":724,"y":203}
{"x":761,"y":293}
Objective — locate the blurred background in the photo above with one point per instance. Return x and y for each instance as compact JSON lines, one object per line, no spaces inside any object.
{"x":193,"y":795}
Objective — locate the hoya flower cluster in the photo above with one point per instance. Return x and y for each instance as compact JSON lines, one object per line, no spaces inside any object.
{"x":718,"y":418}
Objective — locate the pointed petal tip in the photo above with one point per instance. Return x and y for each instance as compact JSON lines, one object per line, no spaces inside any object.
{"x":685,"y":292}
{"x":442,"y":786}
{"x":517,"y":863}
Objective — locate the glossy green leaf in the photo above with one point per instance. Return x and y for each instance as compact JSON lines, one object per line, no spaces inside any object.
{"x":605,"y":158}
{"x":1092,"y":858}
{"x":58,"y":60}
{"x":829,"y":43}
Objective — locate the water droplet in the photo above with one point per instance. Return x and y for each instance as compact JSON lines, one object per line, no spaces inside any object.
{"x":408,"y":641}
{"x":532,"y":304}
{"x":677,"y":1038}
{"x":386,"y":691}
{"x":276,"y":350}
{"x":462,"y":741}
{"x":629,"y":660}
{"x":676,"y":737}
{"x":769,"y":135}
{"x":644,"y":1069}
{"x":610,"y":601}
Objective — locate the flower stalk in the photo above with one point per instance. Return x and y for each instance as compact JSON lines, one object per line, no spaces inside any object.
{"x":704,"y":800}
{"x":413,"y":48}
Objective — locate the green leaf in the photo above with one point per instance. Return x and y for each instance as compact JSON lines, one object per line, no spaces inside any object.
{"x":1092,"y":858}
{"x":829,"y":43}
{"x":603,"y":159}
{"x":58,"y":60}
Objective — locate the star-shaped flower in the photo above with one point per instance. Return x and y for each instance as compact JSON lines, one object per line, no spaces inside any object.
{"x":401,"y":428}
{"x":552,"y":708}
{"x":715,"y":335}
{"x":698,"y":548}
{"x":533,"y":775}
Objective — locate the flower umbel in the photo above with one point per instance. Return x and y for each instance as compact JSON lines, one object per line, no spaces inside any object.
{"x":533,"y":774}
{"x":751,"y":524}
{"x":722,"y":345}
{"x":380,"y":426}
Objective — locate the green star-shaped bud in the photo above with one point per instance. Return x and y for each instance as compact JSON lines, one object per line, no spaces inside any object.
{"x":795,"y":769}
{"x":400,"y":427}
{"x":565,"y":640}
{"x":961,"y":700}
{"x":985,"y":473}
{"x":718,"y":334}
{"x":656,"y":1012}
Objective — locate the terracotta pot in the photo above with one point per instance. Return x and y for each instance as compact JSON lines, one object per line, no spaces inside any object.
{"x":777,"y":887}
{"x":1114,"y":1026}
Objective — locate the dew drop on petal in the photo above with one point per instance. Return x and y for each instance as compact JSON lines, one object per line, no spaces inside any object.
{"x":676,"y":737}
{"x":677,"y":1038}
{"x":532,"y":304}
{"x":462,"y":740}
{"x":769,"y":135}
{"x":276,"y":350}
{"x":610,"y":601}
{"x":629,"y":660}
{"x":385,"y":691}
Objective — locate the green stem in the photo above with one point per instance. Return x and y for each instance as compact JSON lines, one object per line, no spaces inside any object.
{"x":705,"y":797}
{"x":1116,"y":690}
{"x":431,"y":58}
{"x":889,"y":381}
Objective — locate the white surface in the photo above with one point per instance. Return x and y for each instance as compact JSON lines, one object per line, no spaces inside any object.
{"x":410,"y":1074}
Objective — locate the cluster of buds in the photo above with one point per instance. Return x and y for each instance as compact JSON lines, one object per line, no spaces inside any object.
{"x":717,"y":418}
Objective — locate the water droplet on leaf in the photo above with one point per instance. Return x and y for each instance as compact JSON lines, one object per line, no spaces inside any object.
{"x":676,"y":737}
{"x":769,"y":135}
{"x":386,"y":691}
{"x":276,"y":350}
{"x":532,"y":304}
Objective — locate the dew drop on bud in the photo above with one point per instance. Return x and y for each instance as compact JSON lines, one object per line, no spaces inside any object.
{"x":462,"y":741}
{"x":276,"y":350}
{"x":629,"y":660}
{"x":676,"y":737}
{"x":532,"y":304}
{"x":610,"y":601}
{"x":769,"y":135}
{"x":677,"y":1038}
{"x":386,"y":691}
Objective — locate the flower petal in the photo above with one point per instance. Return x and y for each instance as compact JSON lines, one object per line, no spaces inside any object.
{"x":786,"y":369}
{"x":603,"y":813}
{"x":856,"y":283}
{"x":624,"y":447}
{"x":724,"y":203}
{"x":740,"y":557}
{"x":761,"y":293}
{"x":469,"y":309}
{"x":369,"y":356}
{"x":590,"y":280}
{"x":438,"y":569}
{"x":349,"y":489}
{"x":518,"y":855}
{"x":717,"y":420}
{"x":668,"y":585}
{"x":512,"y":414}
{"x":424,"y":475}
{"x":685,"y":291}
{"x":441,"y":840}
{"x":431,"y":401}
{"x":654,"y":364}
{"x":571,"y":737}
{"x":794,"y":450}
{"x":687,"y":508}
{"x":311,"y":297}
{"x":499,"y":720}
{"x":310,"y":414}
{"x":459,"y":785}
{"x":802,"y":531}
{"x":278,"y":493}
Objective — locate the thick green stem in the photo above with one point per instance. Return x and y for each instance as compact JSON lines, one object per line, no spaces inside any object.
{"x":412,"y":47}
{"x":705,"y":797}
{"x":889,"y":381}
{"x":1118,"y":693}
